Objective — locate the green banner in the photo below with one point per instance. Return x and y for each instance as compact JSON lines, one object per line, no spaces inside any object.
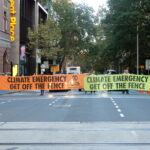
{"x":117,"y":82}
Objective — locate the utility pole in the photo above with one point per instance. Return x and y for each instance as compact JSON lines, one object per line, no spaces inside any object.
{"x":137,"y":30}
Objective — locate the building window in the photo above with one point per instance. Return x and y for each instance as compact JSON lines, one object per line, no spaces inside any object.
{"x":5,"y":22}
{"x":6,"y":3}
{"x":5,"y":62}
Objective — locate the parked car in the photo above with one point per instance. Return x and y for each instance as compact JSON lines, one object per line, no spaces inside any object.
{"x":110,"y":71}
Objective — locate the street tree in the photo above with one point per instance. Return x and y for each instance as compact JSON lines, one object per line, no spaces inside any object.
{"x":120,"y":26}
{"x":46,"y":38}
{"x":43,"y":2}
{"x":75,"y":31}
{"x":77,"y":28}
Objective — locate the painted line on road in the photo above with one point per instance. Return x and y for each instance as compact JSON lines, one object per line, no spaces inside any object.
{"x":122,"y":115}
{"x":53,"y":102}
{"x":111,"y":99}
{"x":115,"y":103}
{"x":50,"y":104}
{"x":117,"y":108}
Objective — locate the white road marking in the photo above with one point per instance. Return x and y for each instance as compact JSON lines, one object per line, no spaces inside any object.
{"x":53,"y":102}
{"x":111,"y":98}
{"x":122,"y":115}
{"x":117,"y":106}
{"x":119,"y":110}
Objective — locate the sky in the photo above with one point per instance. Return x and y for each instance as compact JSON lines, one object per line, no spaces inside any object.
{"x":92,"y":3}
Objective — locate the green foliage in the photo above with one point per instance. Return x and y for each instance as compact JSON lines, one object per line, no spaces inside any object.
{"x":107,"y":40}
{"x":120,"y":30}
{"x":43,"y":2}
{"x":77,"y":28}
{"x":46,"y":38}
{"x":70,"y":33}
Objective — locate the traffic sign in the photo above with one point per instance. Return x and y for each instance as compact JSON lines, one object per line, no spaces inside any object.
{"x":147,"y":67}
{"x":141,"y":67}
{"x":55,"y":68}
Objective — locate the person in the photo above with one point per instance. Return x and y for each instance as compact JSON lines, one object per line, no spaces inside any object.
{"x":125,"y":91}
{"x":92,"y":90}
{"x":42,"y":90}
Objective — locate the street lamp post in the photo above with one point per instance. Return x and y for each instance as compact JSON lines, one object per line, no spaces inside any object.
{"x":137,"y":46}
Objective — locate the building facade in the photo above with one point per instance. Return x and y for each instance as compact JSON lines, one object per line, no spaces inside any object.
{"x":31,"y":14}
{"x":22,"y":14}
{"x":5,"y":43}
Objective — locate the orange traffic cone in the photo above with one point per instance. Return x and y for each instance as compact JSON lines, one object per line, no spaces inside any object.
{"x":148,"y":92}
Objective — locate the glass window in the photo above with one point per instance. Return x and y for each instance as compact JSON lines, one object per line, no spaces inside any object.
{"x":5,"y":21}
{"x":6,"y":3}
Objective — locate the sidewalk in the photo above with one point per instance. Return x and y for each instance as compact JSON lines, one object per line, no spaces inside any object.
{"x":74,"y":135}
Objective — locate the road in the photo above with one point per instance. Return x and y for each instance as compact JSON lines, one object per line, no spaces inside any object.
{"x":75,"y":120}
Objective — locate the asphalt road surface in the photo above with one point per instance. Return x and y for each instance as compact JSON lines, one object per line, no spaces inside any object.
{"x":75,"y":120}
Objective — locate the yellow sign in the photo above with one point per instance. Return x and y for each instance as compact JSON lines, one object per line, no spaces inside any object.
{"x":116,"y":82}
{"x":13,"y":20}
{"x":14,"y":70}
{"x":142,"y":67}
{"x":55,"y":68}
